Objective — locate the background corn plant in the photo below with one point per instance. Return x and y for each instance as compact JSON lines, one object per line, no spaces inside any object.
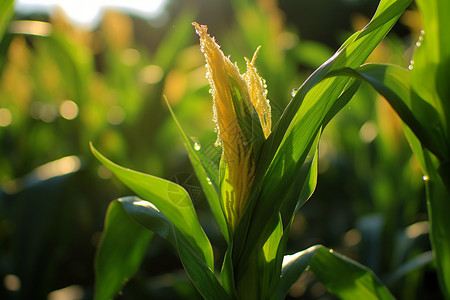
{"x":369,"y":204}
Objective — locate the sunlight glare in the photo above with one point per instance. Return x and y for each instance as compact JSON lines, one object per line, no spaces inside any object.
{"x":87,"y":13}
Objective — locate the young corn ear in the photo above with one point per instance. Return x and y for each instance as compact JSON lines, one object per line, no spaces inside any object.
{"x":243,"y":121}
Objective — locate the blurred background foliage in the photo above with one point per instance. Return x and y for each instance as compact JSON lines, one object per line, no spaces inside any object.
{"x":62,"y":86}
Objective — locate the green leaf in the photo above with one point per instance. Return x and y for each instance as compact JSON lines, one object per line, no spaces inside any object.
{"x":342,"y":276}
{"x":432,"y":58}
{"x":268,"y":259}
{"x":207,"y":174}
{"x":306,"y":192}
{"x":121,"y":251}
{"x":348,"y":93}
{"x":202,"y":276}
{"x":171,"y":199}
{"x":429,"y":79}
{"x":6,"y":12}
{"x":438,"y":198}
{"x":394,"y":84}
{"x":227,"y":272}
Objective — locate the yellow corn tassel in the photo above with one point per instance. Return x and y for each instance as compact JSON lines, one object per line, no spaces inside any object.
{"x":237,"y":101}
{"x":258,"y":94}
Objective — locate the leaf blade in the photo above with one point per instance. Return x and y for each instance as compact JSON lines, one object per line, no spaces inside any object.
{"x":202,"y":276}
{"x":349,"y":279}
{"x":6,"y":12}
{"x":394,"y":84}
{"x":171,"y":199}
{"x":121,"y":251}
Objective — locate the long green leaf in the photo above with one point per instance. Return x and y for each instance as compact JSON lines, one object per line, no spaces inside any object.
{"x":438,"y":196}
{"x":268,"y":259}
{"x":121,"y":251}
{"x":171,"y":199}
{"x":306,"y":192}
{"x":6,"y":12}
{"x":207,"y":174}
{"x":201,"y":275}
{"x":342,"y":276}
{"x":431,"y":59}
{"x":429,"y":76}
{"x":438,"y":203}
{"x":394,"y":84}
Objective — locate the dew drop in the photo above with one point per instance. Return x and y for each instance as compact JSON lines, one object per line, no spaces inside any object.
{"x":422,"y":32}
{"x":293,"y":92}
{"x":425,"y":178}
{"x":418,"y":44}
{"x":331,"y":250}
{"x":197,"y":146}
{"x":208,"y":180}
{"x":420,"y":38}
{"x":410,"y":67}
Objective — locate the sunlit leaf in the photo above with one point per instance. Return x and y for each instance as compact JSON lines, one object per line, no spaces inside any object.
{"x":121,"y":251}
{"x":341,"y":276}
{"x":6,"y":12}
{"x":171,"y":199}
{"x":429,"y":77}
{"x":201,"y":275}
{"x":394,"y":84}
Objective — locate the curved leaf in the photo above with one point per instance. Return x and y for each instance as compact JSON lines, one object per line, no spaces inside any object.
{"x":347,"y":278}
{"x":171,"y":199}
{"x":394,"y":83}
{"x":430,"y":73}
{"x":201,"y":275}
{"x":6,"y":12}
{"x":121,"y":251}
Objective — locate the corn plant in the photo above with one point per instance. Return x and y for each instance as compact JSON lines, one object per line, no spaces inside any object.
{"x":266,"y":174}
